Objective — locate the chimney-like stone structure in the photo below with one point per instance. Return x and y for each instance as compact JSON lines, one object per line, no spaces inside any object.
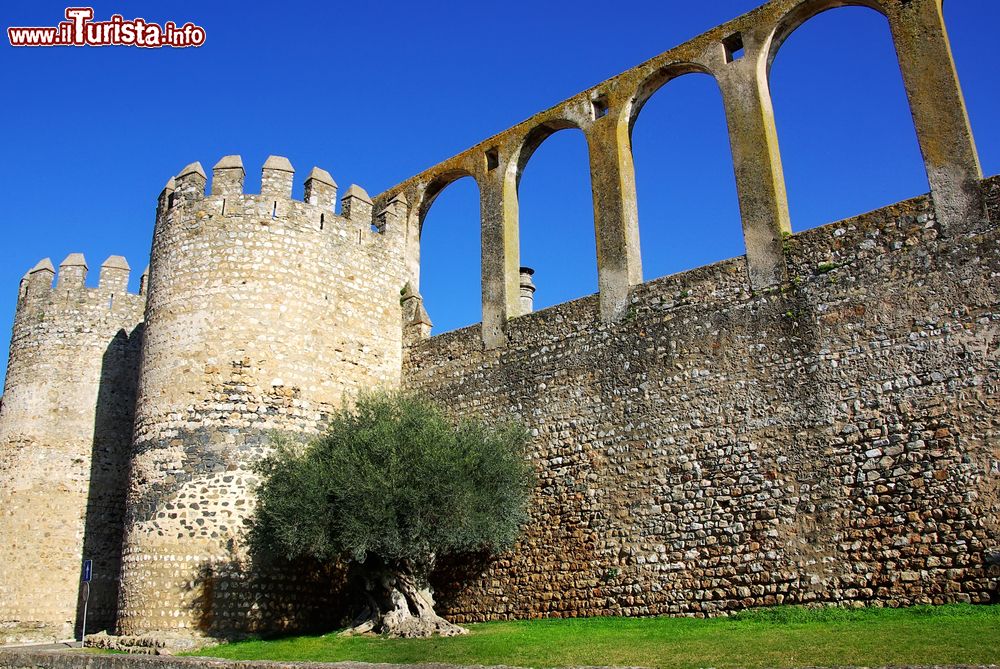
{"x":527,"y":290}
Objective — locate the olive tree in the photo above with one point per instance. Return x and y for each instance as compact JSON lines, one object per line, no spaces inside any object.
{"x":391,"y":486}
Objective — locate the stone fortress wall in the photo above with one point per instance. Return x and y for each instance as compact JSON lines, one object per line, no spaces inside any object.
{"x":65,"y":428}
{"x":814,"y":421}
{"x":835,"y":440}
{"x":264,"y":314}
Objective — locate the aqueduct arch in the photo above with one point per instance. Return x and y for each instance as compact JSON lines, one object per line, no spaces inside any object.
{"x":738,"y":54}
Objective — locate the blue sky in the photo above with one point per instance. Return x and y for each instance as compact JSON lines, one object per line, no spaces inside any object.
{"x":375,"y":92}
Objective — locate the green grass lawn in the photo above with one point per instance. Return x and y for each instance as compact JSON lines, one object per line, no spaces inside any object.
{"x":779,"y":637}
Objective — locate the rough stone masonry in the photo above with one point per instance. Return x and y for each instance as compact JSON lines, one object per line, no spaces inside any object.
{"x":815,"y":421}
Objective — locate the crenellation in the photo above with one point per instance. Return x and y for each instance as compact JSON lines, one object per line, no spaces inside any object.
{"x":22,"y":286}
{"x":276,"y":178}
{"x":72,"y":272}
{"x":166,"y":198}
{"x":37,"y":286}
{"x":321,"y":189}
{"x":392,"y":218}
{"x":189,"y":184}
{"x":356,"y":206}
{"x":40,"y":279}
{"x":228,"y":175}
{"x":114,"y":275}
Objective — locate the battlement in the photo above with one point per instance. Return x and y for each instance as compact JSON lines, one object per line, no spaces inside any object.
{"x":226,"y":190}
{"x":41,"y":283}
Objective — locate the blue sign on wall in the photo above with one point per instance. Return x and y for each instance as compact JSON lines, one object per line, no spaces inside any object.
{"x":87,"y":570}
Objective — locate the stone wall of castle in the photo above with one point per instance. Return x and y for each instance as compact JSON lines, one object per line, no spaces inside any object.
{"x":834,"y":439}
{"x":65,"y":428}
{"x":264,"y":314}
{"x":812,"y":422}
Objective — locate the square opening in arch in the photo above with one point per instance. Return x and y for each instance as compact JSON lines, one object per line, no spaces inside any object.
{"x":734,"y":47}
{"x":492,"y":158}
{"x":600,"y":105}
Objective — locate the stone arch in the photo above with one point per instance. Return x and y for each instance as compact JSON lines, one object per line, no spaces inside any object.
{"x":685,"y":180}
{"x":447,"y":258}
{"x":434,"y":188}
{"x":533,"y":139}
{"x":573,"y":272}
{"x":802,"y":13}
{"x":657,"y":80}
{"x":856,"y":116}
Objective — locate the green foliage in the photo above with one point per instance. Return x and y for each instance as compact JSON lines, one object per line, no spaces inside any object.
{"x":786,"y":242}
{"x":393,"y":479}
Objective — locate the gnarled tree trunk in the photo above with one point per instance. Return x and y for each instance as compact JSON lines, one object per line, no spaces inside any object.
{"x":399,"y":602}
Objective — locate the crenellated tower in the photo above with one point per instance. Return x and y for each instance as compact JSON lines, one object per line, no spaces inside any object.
{"x":264,"y":313}
{"x":65,"y":428}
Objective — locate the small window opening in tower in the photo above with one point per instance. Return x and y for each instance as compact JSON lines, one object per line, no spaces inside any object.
{"x":600,"y":105}
{"x":274,"y":210}
{"x":492,"y":159}
{"x":223,"y":206}
{"x":734,"y":47}
{"x":322,"y":220}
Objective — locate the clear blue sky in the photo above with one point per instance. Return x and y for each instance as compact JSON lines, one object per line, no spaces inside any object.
{"x":377,"y":91}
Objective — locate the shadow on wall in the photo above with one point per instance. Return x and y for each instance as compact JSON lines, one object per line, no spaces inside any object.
{"x":235,"y":599}
{"x":298,"y":596}
{"x":105,"y":515}
{"x":453,"y":574}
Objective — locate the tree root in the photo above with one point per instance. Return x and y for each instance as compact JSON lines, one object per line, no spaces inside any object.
{"x":398,"y":608}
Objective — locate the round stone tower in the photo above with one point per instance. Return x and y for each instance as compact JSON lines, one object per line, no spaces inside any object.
{"x":65,"y":428}
{"x":264,"y":314}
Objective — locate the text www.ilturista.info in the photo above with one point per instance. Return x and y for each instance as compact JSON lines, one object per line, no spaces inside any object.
{"x":81,"y":30}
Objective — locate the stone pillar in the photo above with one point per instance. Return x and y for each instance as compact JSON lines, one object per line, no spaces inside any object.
{"x":616,"y":217}
{"x":938,"y":108}
{"x":500,"y":253}
{"x":760,"y":182}
{"x":527,"y":291}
